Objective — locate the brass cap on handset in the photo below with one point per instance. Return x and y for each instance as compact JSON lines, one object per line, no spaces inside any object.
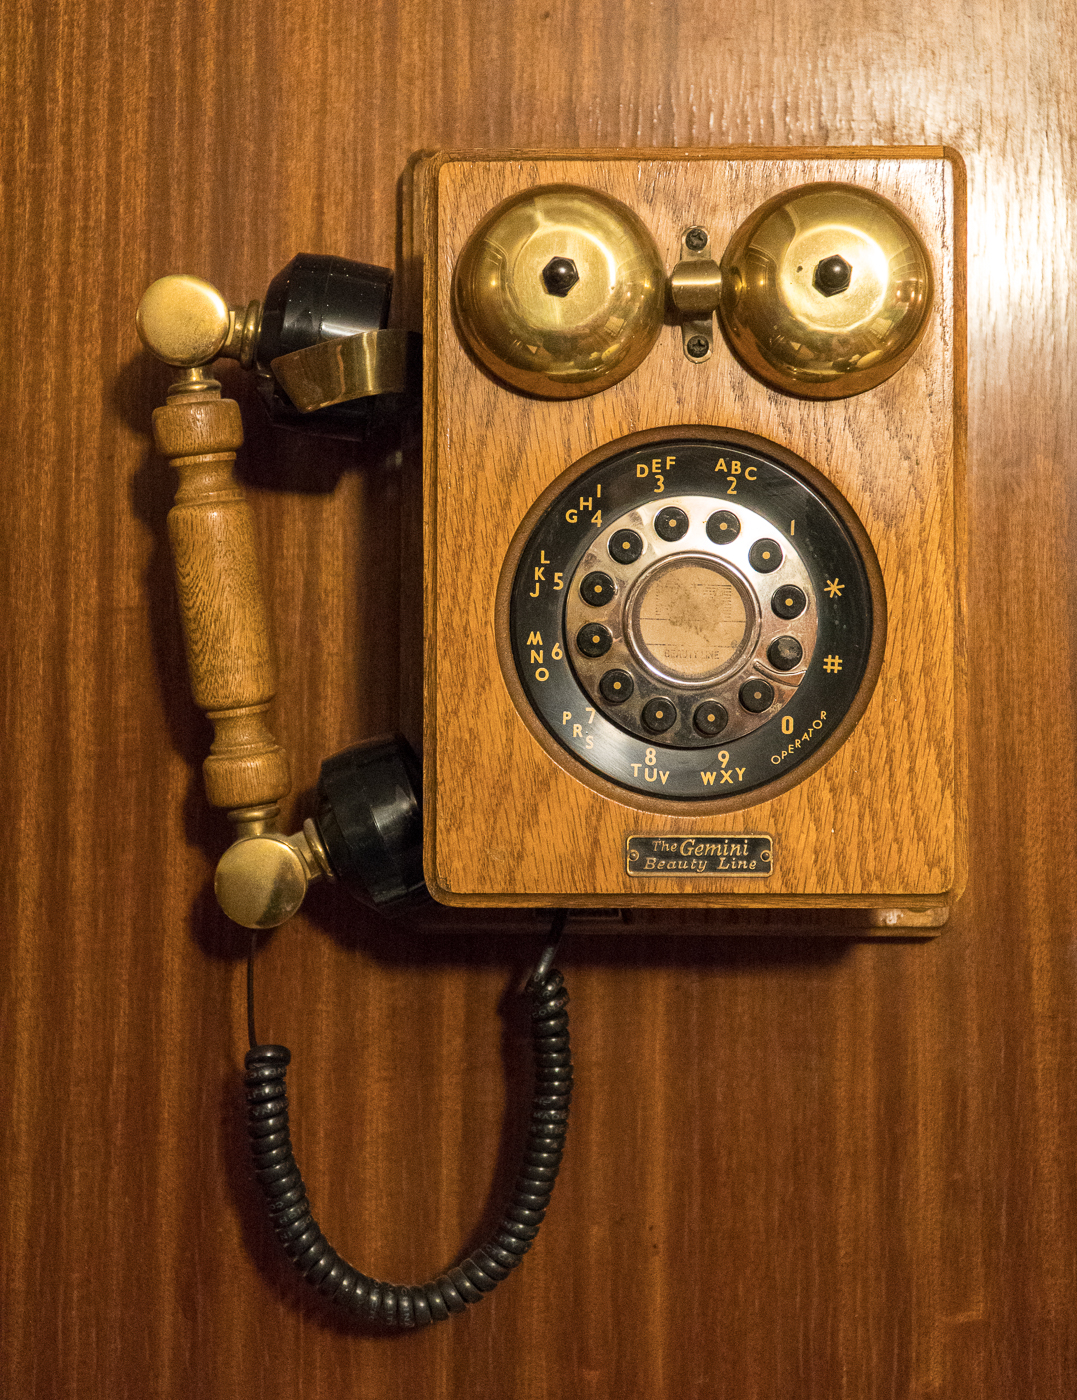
{"x":186,"y":322}
{"x":261,"y":880}
{"x":367,"y":823}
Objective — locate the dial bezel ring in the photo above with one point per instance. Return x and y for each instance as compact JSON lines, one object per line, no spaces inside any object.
{"x":787,"y":478}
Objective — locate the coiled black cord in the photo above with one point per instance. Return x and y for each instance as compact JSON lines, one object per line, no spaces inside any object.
{"x":416,"y":1305}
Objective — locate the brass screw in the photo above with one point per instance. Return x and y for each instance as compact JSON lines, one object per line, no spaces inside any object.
{"x":697,"y":347}
{"x":559,"y":276}
{"x":696,"y":239}
{"x":832,"y":275}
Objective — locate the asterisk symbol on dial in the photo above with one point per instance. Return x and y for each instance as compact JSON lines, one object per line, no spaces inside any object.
{"x":834,"y":587}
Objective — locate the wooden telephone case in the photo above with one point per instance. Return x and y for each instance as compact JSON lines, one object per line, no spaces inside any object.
{"x":513,"y":817}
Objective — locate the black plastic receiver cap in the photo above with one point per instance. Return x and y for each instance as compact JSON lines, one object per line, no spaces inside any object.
{"x":319,"y":296}
{"x":369,"y":817}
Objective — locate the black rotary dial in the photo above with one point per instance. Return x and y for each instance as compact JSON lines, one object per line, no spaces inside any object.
{"x":691,"y":619}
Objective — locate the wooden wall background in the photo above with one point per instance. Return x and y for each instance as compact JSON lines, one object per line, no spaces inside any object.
{"x":826,"y":1169}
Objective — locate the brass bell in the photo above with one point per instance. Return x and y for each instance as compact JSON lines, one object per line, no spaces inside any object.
{"x":560,"y":291}
{"x":825,"y":291}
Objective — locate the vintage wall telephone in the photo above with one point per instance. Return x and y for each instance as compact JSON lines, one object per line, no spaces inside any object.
{"x":693,"y":600}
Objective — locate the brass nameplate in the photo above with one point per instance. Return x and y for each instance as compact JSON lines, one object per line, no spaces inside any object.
{"x":681,"y":856}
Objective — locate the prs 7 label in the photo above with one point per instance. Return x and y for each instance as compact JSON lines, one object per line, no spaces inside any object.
{"x":681,"y":856}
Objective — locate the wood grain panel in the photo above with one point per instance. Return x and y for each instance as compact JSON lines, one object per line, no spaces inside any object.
{"x":835,"y":1170}
{"x":884,"y":818}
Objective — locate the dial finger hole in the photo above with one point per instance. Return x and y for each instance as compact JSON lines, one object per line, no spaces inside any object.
{"x":597,"y":589}
{"x":625,"y":546}
{"x":788,"y":602}
{"x":765,"y":556}
{"x":756,"y":695}
{"x":784,"y":653}
{"x":659,"y":714}
{"x":616,"y":686}
{"x":594,"y":640}
{"x":671,"y":524}
{"x":723,"y":527}
{"x":710,"y":719}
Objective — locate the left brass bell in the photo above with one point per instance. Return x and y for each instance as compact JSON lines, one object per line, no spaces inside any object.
{"x":560,"y":291}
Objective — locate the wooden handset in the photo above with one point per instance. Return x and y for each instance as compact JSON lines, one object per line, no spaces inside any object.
{"x":262,"y":878}
{"x":233,"y":677}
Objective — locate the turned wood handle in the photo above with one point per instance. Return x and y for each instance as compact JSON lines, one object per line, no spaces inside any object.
{"x":220,"y":594}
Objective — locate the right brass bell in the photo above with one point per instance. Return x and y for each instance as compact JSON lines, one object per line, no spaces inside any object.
{"x":825,"y":291}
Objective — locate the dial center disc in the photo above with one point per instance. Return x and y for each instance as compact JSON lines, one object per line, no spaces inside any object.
{"x":688,"y":619}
